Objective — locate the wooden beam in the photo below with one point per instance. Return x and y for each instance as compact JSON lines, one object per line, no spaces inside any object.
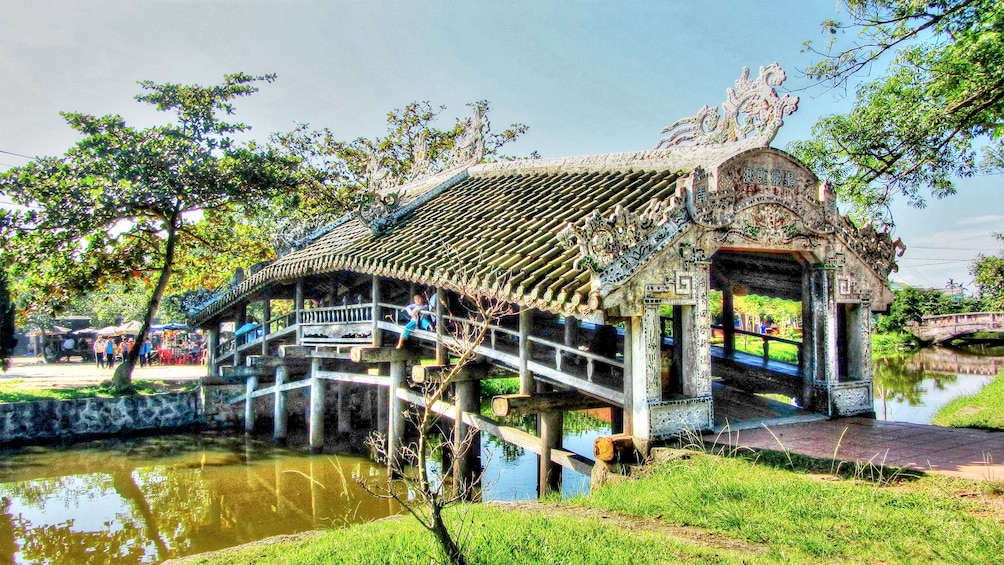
{"x":515,"y":436}
{"x":564,"y":401}
{"x":370,"y":354}
{"x":357,"y":378}
{"x":421,"y":374}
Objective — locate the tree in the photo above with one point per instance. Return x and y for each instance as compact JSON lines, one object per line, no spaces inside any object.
{"x":7,"y":339}
{"x":988,"y":273}
{"x":118,"y":204}
{"x":424,"y":496}
{"x":935,"y":115}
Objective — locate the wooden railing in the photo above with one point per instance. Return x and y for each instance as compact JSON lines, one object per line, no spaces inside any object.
{"x":766,"y":339}
{"x":351,"y":313}
{"x":974,"y":318}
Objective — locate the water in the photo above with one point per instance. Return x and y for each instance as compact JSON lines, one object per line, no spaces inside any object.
{"x":145,"y":500}
{"x":912,"y":388}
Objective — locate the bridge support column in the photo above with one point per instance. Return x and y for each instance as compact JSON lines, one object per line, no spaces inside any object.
{"x":317,"y":391}
{"x":551,"y":429}
{"x":249,"y":415}
{"x":859,"y":343}
{"x":728,"y":318}
{"x":525,"y":376}
{"x":344,"y":408}
{"x":266,"y":304}
{"x":242,"y":318}
{"x":467,"y":440}
{"x":281,"y":415}
{"x":383,"y":403}
{"x":395,"y":427}
{"x":212,"y":359}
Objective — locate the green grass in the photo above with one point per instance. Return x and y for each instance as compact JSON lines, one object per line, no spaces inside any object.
{"x":784,"y":352}
{"x":803,"y":519}
{"x":17,"y":391}
{"x":494,"y":387}
{"x":984,"y":409}
{"x":890,"y":342}
{"x":705,"y":509}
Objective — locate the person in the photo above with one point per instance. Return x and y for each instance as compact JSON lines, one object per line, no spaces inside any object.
{"x":68,"y":345}
{"x":110,"y":353}
{"x":99,"y":352}
{"x":417,"y":311}
{"x":144,"y":353}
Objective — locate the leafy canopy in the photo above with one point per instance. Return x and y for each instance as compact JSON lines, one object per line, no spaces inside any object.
{"x":936,"y":114}
{"x":988,"y":273}
{"x":120,"y":203}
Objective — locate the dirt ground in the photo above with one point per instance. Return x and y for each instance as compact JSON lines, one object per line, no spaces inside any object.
{"x":32,"y":374}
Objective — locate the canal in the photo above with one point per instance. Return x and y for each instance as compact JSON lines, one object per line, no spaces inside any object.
{"x":145,"y":500}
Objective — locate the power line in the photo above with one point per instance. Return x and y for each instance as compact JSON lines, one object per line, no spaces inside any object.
{"x":16,"y":154}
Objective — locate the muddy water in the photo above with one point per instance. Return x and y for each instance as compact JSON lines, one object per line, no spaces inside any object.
{"x":913,"y":387}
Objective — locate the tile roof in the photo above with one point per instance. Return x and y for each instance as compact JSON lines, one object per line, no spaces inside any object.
{"x":496,"y":229}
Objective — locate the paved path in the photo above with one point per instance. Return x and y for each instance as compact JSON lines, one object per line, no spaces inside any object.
{"x":30,"y":373}
{"x":971,"y":454}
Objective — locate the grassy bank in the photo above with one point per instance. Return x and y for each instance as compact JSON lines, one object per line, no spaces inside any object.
{"x":19,"y":390}
{"x":884,"y":343}
{"x":984,"y":409}
{"x":705,"y":509}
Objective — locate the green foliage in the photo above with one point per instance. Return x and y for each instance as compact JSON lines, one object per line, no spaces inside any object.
{"x":910,"y":304}
{"x":936,"y":113}
{"x":113,"y":304}
{"x":18,"y":391}
{"x":984,"y":409}
{"x":116,"y":206}
{"x":988,"y":273}
{"x":7,"y":339}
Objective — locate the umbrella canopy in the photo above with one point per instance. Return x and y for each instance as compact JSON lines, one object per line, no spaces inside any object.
{"x":55,"y":330}
{"x":169,"y":326}
{"x":129,"y":328}
{"x":108,"y":330}
{"x":248,"y":327}
{"x":86,"y":331}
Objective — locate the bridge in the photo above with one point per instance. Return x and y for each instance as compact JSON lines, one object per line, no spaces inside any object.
{"x":605,"y":265}
{"x":945,"y":328}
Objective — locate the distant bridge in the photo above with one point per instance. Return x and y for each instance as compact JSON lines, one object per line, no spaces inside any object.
{"x":941,"y":329}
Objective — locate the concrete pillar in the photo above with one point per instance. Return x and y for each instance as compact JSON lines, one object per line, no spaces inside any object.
{"x":249,"y":415}
{"x":212,"y":360}
{"x":525,"y":326}
{"x":376,"y":334}
{"x":641,"y":425}
{"x":383,"y":403}
{"x":281,"y":414}
{"x":627,"y":412}
{"x":858,"y":342}
{"x":807,"y":351}
{"x":317,"y":391}
{"x":242,"y":318}
{"x":344,"y":408}
{"x":467,"y":462}
{"x":395,"y":427}
{"x":549,"y":473}
{"x":728,"y":318}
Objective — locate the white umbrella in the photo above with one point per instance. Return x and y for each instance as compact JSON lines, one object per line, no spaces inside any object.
{"x":129,"y":328}
{"x":56,"y":330}
{"x":108,"y":330}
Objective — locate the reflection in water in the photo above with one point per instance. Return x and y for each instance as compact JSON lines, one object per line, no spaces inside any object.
{"x":145,"y":500}
{"x":913,"y":387}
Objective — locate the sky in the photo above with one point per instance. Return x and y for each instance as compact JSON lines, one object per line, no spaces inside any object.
{"x":587,"y":77}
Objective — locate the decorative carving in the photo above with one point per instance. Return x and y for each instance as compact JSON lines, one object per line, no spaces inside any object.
{"x":770,"y":226}
{"x":753,"y":112}
{"x":420,"y":157}
{"x":470,"y":149}
{"x":692,"y":254}
{"x":601,"y":238}
{"x":876,"y":248}
{"x":374,"y":209}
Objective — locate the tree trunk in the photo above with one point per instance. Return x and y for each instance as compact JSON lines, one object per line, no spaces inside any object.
{"x":446,"y":541}
{"x":122,"y":379}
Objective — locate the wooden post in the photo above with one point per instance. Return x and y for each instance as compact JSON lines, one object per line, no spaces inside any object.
{"x":442,"y":356}
{"x":395,"y":427}
{"x":265,"y":326}
{"x":242,"y":318}
{"x":298,"y":294}
{"x":628,"y":411}
{"x":466,"y":463}
{"x":376,"y":334}
{"x":281,"y":414}
{"x":344,"y":409}
{"x":316,"y":407}
{"x":249,"y":415}
{"x":383,"y":403}
{"x":549,"y":475}
{"x":728,"y":319}
{"x":525,"y":376}
{"x":807,"y":351}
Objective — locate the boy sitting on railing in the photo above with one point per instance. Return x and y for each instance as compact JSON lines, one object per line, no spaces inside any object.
{"x":419,"y":313}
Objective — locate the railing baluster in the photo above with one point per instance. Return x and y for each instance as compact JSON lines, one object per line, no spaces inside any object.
{"x":589,"y":369}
